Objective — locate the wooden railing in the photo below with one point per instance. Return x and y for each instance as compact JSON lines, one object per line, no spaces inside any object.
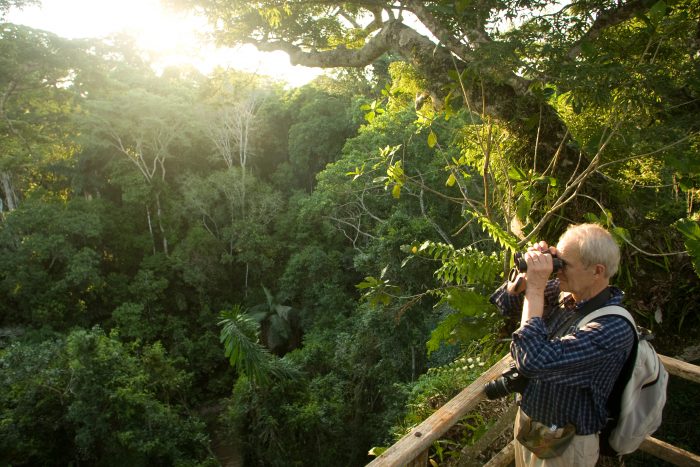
{"x":412,"y":450}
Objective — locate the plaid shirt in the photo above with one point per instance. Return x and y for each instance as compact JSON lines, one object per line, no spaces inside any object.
{"x":570,"y":378}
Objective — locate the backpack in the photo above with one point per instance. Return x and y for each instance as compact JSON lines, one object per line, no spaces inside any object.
{"x":638,"y":397}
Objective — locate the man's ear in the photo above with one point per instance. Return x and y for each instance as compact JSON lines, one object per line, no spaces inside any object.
{"x":600,"y":270}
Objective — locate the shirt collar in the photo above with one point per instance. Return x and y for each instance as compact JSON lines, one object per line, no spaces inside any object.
{"x":568,"y":302}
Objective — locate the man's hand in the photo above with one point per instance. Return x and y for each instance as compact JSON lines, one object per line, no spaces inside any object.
{"x":539,"y":267}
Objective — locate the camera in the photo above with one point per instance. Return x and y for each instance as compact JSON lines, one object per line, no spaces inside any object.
{"x":509,"y":382}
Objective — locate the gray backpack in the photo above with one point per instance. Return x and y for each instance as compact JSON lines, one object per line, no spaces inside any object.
{"x":639,"y":395}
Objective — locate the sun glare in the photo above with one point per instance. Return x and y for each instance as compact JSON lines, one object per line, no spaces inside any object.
{"x":170,"y":38}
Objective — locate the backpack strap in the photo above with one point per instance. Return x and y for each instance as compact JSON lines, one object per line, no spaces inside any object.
{"x":608,"y":310}
{"x":614,"y":402}
{"x":615,"y":310}
{"x":588,"y":307}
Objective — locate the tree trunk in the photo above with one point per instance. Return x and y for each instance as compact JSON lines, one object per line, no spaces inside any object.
{"x":8,"y":190}
{"x":159,"y":215}
{"x":245,"y":290}
{"x":150,"y":228}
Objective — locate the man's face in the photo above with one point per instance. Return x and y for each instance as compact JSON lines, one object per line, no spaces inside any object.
{"x":575,"y":277}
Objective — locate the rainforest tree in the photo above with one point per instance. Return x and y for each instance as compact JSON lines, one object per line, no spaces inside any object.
{"x":534,"y":71}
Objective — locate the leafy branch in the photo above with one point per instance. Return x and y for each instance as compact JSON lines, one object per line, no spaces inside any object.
{"x":239,"y":334}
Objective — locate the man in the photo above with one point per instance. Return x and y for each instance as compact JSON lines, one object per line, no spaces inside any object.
{"x":570,"y":372}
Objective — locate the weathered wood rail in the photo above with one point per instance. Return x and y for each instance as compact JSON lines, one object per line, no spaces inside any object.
{"x":412,"y":449}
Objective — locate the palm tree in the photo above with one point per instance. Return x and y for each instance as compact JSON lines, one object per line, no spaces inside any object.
{"x":279,"y":324}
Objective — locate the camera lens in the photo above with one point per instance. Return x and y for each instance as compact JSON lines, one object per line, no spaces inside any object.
{"x":510,"y":381}
{"x":497,"y":388}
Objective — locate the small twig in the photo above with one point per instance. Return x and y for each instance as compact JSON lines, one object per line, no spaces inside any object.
{"x":553,"y":163}
{"x":537,"y":141}
{"x":646,"y":253}
{"x":656,"y":151}
{"x":437,"y":228}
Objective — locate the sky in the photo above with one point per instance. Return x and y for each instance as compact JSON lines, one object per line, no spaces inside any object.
{"x":174,"y":38}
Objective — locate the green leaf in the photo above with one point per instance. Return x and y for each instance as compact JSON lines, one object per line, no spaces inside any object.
{"x":284,"y":311}
{"x":396,"y":191}
{"x":377,"y":451}
{"x":657,"y":12}
{"x":587,"y":48}
{"x":524,"y":205}
{"x":691,"y":231}
{"x":459,"y":328}
{"x":622,"y":234}
{"x":451,"y":180}
{"x":467,"y":302}
{"x":516,"y":174}
{"x":384,"y":270}
{"x":592,"y":218}
{"x":502,"y":237}
{"x":368,"y":283}
{"x":257,"y":315}
{"x":432,"y":139}
{"x":239,"y":336}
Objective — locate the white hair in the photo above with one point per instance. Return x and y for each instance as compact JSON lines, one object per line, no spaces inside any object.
{"x":595,"y":246}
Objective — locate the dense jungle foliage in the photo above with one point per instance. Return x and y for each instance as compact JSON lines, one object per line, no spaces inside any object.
{"x":304,"y":272}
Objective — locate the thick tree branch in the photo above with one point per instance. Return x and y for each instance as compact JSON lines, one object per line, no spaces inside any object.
{"x":393,"y":36}
{"x":476,"y":36}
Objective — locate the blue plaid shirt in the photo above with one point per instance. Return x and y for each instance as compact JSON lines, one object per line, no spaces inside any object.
{"x":570,"y":378}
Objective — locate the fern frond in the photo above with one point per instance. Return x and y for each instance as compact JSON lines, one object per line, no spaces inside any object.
{"x":499,"y":235}
{"x":469,"y":266}
{"x":462,"y":266}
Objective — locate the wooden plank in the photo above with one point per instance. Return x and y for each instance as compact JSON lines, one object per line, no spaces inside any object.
{"x":669,"y":453}
{"x":432,"y":428}
{"x":680,"y":368}
{"x":421,"y":460}
{"x":504,"y":457}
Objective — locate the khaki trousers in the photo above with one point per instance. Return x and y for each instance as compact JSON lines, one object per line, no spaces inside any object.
{"x":582,"y":452}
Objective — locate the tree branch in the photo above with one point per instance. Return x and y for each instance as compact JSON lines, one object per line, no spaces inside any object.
{"x":341,"y":56}
{"x":608,"y":18}
{"x":645,"y":253}
{"x":639,"y":156}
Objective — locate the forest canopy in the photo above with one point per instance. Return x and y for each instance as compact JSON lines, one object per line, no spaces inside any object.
{"x":193,"y":263}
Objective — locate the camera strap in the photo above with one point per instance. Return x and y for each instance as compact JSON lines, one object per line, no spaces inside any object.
{"x":588,"y":307}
